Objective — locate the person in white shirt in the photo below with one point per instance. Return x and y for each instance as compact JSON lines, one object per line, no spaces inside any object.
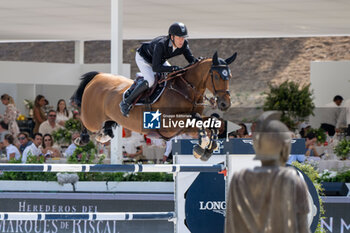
{"x":62,"y":112}
{"x":3,"y":132}
{"x":330,"y":115}
{"x":50,"y":125}
{"x":11,"y":151}
{"x":169,"y":145}
{"x":344,"y":119}
{"x":71,"y":148}
{"x":33,"y":149}
{"x":154,"y":149}
{"x":132,"y":144}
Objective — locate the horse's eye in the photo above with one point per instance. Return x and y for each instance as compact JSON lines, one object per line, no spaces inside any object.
{"x":224,"y":73}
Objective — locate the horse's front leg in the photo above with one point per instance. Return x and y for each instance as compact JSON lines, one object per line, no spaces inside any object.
{"x":204,"y":141}
{"x":212,"y":145}
{"x":106,"y":133}
{"x":83,"y":139}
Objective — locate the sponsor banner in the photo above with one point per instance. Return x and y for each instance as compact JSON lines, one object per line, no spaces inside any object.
{"x":67,"y":204}
{"x":337,"y":218}
{"x":205,"y":205}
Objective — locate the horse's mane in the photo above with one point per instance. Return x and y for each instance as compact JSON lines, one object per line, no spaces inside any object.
{"x":78,"y":95}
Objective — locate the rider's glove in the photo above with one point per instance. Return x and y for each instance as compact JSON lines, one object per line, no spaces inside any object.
{"x":175,"y":68}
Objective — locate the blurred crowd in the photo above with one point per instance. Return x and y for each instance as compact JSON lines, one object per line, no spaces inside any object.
{"x":20,"y":145}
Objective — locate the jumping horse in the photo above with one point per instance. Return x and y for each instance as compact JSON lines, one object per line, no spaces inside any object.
{"x":99,"y":95}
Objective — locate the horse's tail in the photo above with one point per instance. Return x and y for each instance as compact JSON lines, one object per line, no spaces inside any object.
{"x":85,"y":79}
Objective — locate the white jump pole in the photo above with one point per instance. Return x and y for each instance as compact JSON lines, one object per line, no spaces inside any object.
{"x":108,"y":216}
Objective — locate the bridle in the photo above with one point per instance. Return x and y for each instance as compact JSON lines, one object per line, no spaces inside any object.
{"x":216,"y":91}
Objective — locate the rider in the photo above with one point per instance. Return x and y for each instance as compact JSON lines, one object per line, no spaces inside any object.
{"x":152,"y":57}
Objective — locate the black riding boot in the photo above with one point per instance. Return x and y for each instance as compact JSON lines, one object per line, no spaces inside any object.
{"x":126,"y":105}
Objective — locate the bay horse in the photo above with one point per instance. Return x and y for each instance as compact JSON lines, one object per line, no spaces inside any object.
{"x":99,"y":95}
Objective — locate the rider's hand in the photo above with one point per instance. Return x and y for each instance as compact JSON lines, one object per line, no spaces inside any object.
{"x":175,"y":68}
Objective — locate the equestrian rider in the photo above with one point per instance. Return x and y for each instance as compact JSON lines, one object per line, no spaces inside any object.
{"x":152,"y":57}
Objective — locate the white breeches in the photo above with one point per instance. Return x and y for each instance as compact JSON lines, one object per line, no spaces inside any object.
{"x":146,"y":69}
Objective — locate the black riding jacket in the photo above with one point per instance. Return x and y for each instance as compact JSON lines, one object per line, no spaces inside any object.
{"x":160,"y":49}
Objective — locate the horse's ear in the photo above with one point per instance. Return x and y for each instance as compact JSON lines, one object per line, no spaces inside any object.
{"x":215,"y":58}
{"x":231,"y":59}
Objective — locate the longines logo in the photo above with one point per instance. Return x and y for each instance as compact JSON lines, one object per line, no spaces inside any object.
{"x":215,"y":206}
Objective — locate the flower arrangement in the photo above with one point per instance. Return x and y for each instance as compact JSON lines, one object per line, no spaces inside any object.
{"x":320,"y":135}
{"x":84,"y":154}
{"x":62,"y":135}
{"x":29,"y":104}
{"x":342,"y":149}
{"x":315,"y":178}
{"x":21,"y":117}
{"x":335,"y":176}
{"x":73,"y":125}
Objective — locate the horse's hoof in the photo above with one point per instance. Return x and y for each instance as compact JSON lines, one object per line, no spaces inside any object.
{"x":79,"y":142}
{"x":101,"y":138}
{"x":206,"y":156}
{"x":198,"y":151}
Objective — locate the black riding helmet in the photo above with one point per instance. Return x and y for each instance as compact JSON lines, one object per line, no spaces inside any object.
{"x":178,"y":29}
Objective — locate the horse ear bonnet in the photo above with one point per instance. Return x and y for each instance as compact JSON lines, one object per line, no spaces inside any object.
{"x":215,"y":59}
{"x":231,"y":59}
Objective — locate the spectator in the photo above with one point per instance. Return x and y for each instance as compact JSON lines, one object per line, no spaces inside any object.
{"x":3,"y":132}
{"x":310,"y":145}
{"x":132,"y":145}
{"x":10,"y":115}
{"x":24,"y":141}
{"x":39,"y":114}
{"x":11,"y":151}
{"x":154,"y":150}
{"x":50,"y":125}
{"x":62,"y":113}
{"x":76,"y":115}
{"x":33,"y":149}
{"x":344,"y":119}
{"x":169,"y":146}
{"x":223,"y":129}
{"x":305,"y":127}
{"x":71,"y":148}
{"x":242,"y":132}
{"x":48,"y":148}
{"x":330,"y":115}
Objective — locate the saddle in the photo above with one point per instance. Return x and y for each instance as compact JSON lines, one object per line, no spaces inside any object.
{"x":161,"y":81}
{"x":152,"y":94}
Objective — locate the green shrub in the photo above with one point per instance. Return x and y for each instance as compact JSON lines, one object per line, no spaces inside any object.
{"x":293,"y":101}
{"x":342,"y":149}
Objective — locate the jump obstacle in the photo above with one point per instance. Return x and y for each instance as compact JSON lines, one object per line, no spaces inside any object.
{"x":127,"y":216}
{"x":185,"y":183}
{"x":110,"y":168}
{"x":117,"y":216}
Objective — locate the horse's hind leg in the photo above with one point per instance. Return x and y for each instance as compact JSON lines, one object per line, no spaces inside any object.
{"x":106,"y":133}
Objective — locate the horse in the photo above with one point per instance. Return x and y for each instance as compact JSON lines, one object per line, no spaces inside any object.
{"x":99,"y":95}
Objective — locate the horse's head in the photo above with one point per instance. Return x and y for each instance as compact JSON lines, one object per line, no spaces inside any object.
{"x":218,"y":84}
